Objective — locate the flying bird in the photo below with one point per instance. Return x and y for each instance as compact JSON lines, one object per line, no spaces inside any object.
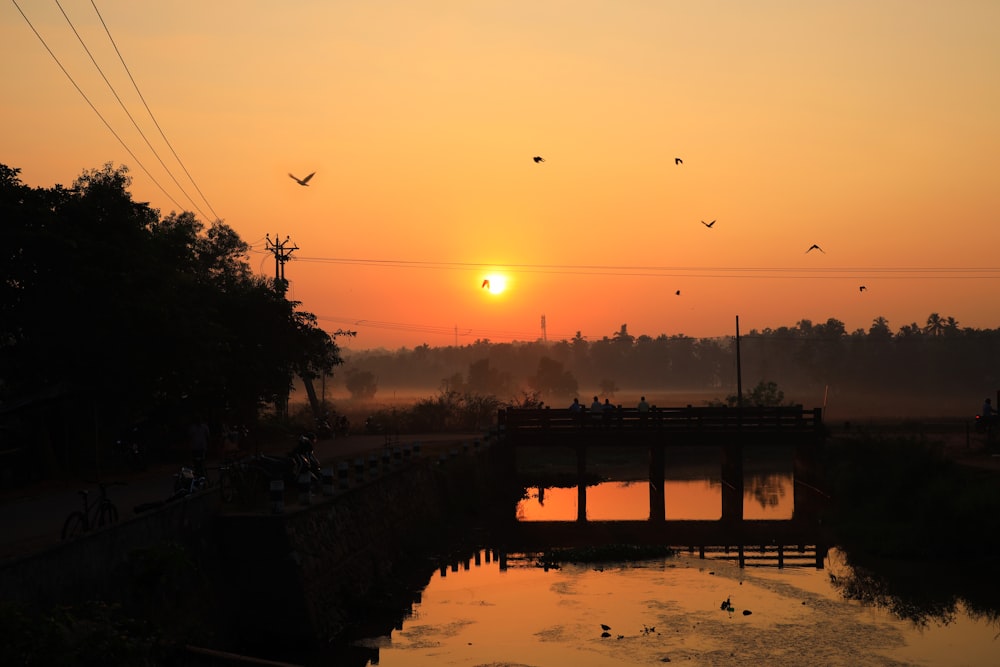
{"x":677,"y":160}
{"x":815,"y":247}
{"x":538,"y":159}
{"x":486,"y":284}
{"x":708,"y":224}
{"x":862,"y":288}
{"x":605,"y":627}
{"x":302,"y":181}
{"x":678,"y":292}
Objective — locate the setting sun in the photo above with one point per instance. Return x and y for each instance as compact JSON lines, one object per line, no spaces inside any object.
{"x":495,"y":283}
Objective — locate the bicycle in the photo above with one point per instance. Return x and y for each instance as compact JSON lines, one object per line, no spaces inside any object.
{"x":97,"y":515}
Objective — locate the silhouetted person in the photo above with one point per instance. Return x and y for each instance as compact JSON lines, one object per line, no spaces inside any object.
{"x":643,"y":409}
{"x":989,"y":417}
{"x":596,"y":411}
{"x":607,"y":410}
{"x":199,"y":434}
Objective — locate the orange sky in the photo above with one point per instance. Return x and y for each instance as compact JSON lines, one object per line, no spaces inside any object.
{"x":869,"y":129}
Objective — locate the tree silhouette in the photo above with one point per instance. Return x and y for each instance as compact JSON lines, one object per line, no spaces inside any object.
{"x":135,"y":316}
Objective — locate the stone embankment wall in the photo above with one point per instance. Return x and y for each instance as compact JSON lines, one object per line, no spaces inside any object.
{"x":295,"y":577}
{"x":265,"y":579}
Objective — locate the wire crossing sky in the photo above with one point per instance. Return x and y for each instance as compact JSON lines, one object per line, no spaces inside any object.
{"x":835,"y":145}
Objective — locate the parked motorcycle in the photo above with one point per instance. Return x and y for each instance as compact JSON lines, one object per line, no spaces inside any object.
{"x":303,"y":459}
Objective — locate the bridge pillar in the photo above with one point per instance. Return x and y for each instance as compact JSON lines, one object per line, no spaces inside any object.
{"x":809,"y":496}
{"x":732,"y":482}
{"x":657,"y":498}
{"x":581,"y":483}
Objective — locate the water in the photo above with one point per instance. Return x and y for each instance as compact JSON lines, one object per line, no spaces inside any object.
{"x":666,"y":610}
{"x":509,"y":611}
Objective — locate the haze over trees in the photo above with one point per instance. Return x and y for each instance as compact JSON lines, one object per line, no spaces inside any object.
{"x":111,"y":314}
{"x":936,"y":361}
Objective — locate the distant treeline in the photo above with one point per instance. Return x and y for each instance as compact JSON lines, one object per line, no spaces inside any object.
{"x":936,"y":359}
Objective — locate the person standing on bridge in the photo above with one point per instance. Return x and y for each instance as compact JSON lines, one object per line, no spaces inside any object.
{"x":643,"y":408}
{"x":607,"y":411}
{"x":596,"y":411}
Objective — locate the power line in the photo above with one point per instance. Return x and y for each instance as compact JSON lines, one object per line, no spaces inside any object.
{"x":857,"y":272}
{"x":87,"y":100}
{"x":152,"y":117}
{"x":452,"y":330}
{"x":125,"y":108}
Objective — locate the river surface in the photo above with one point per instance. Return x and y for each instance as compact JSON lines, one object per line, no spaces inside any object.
{"x":505,"y":610}
{"x":665,"y":610}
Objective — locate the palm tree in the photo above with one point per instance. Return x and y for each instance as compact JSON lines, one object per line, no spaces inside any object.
{"x":935,"y":325}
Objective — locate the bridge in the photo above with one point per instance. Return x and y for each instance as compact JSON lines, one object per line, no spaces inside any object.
{"x":684,"y":425}
{"x":730,"y":430}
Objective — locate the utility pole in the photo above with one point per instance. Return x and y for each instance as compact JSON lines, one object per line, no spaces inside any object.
{"x":739,"y":370}
{"x":545,"y":335}
{"x":282,"y":253}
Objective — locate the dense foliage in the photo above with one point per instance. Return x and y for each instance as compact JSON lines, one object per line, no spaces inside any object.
{"x":112,"y":315}
{"x":900,"y":511}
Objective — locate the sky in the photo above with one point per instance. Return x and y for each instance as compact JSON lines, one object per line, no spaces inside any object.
{"x":866,"y":128}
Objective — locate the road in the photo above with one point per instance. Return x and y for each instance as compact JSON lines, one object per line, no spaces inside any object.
{"x":31,"y":517}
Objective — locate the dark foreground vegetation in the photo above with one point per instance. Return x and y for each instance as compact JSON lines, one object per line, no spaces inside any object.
{"x":920,"y":532}
{"x":116,"y":319}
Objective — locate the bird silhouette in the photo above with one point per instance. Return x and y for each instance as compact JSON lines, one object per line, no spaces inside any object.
{"x":486,"y":284}
{"x":605,"y":627}
{"x":708,"y":224}
{"x":538,"y":159}
{"x":678,"y":292}
{"x":677,"y":160}
{"x":815,"y":247}
{"x":302,"y":181}
{"x":862,"y":288}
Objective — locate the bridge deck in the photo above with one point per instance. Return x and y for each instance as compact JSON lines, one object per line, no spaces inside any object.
{"x":551,"y":425}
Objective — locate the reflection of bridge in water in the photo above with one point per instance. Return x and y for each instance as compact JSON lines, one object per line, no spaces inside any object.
{"x":800,"y":540}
